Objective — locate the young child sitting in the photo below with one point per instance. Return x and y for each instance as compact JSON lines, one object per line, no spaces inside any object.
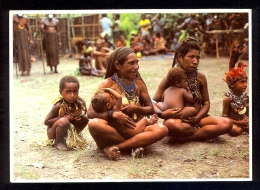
{"x":235,"y":102}
{"x":67,"y":117}
{"x":178,"y":95}
{"x":110,"y":100}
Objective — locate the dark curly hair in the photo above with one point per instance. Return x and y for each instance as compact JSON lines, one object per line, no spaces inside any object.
{"x":175,"y":75}
{"x":99,"y":101}
{"x":184,"y":47}
{"x":67,"y":79}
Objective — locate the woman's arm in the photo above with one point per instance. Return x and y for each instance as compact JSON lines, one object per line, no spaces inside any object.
{"x":117,"y":96}
{"x":120,"y":117}
{"x":170,"y":113}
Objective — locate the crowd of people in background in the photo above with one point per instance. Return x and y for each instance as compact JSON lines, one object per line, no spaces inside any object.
{"x":152,"y":37}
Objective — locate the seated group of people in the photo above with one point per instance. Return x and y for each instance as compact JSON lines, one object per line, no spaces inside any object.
{"x":148,"y":45}
{"x":102,"y":48}
{"x":119,"y":110}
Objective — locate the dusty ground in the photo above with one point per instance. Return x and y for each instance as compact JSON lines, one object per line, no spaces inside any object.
{"x":32,"y":159}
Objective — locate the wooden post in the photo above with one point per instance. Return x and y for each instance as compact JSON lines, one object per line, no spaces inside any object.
{"x":217,"y":46}
{"x":68,"y":31}
{"x":73,"y":33}
{"x":82,"y":28}
{"x":41,"y":47}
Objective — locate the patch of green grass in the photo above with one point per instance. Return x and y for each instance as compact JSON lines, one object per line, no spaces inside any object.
{"x":216,"y":152}
{"x":28,"y":174}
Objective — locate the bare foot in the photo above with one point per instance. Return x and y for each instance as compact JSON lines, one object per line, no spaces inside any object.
{"x":61,"y":146}
{"x":112,"y":152}
{"x":153,"y":119}
{"x":137,"y":152}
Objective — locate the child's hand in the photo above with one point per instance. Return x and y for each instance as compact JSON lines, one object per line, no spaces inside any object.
{"x":106,"y":89}
{"x":188,"y":89}
{"x":244,"y":122}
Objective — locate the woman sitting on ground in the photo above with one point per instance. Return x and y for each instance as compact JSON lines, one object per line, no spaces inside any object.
{"x":122,"y":76}
{"x":201,"y":126}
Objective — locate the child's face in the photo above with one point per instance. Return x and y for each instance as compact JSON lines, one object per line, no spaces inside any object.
{"x":183,"y":83}
{"x":239,"y":86}
{"x":70,"y":92}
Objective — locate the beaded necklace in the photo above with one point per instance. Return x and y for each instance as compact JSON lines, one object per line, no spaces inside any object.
{"x":79,"y":110}
{"x":238,"y":103}
{"x":193,"y":84}
{"x":130,"y":91}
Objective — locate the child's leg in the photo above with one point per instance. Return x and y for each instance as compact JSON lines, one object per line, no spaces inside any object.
{"x":187,"y":112}
{"x":140,"y":126}
{"x":58,"y":131}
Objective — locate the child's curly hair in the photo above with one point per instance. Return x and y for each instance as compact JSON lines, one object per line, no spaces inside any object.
{"x":175,"y":75}
{"x":67,"y":79}
{"x":99,"y":101}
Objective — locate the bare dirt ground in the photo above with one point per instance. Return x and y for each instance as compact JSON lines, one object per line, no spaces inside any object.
{"x":33,"y":160}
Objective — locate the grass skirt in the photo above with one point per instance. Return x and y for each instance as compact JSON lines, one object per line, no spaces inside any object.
{"x":75,"y":139}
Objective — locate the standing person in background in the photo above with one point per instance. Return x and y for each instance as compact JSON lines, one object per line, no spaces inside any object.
{"x":106,"y":25}
{"x":144,"y":25}
{"x":116,"y":28}
{"x":158,"y":24}
{"x":52,"y":42}
{"x":22,"y":32}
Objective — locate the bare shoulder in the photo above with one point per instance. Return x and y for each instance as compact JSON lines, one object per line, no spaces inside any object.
{"x":140,"y":83}
{"x":226,"y":99}
{"x":106,"y":83}
{"x":201,"y":75}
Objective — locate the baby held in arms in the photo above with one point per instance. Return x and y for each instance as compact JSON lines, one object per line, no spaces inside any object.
{"x":178,"y":94}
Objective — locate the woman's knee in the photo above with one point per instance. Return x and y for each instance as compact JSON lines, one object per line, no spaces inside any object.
{"x":96,"y":126}
{"x":176,"y":126}
{"x":226,"y":124}
{"x":162,"y":130}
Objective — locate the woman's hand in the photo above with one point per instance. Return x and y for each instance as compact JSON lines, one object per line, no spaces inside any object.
{"x":171,"y":113}
{"x":191,"y":120}
{"x":129,"y":109}
{"x":123,"y":119}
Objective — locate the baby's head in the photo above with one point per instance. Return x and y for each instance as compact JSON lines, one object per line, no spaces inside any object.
{"x":102,"y":101}
{"x":236,"y":78}
{"x":69,"y":88}
{"x":177,"y":77}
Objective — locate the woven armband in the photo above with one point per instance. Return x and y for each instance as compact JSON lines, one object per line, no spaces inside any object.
{"x":206,"y":102}
{"x":109,"y":115}
{"x":159,"y":113}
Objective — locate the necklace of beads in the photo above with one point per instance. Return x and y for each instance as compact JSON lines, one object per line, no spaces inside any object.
{"x":237,"y":102}
{"x":130,"y":91}
{"x":193,"y":84}
{"x":75,"y":113}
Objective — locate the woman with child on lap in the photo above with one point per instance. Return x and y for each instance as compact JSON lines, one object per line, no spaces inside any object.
{"x":200,"y":126}
{"x":123,"y":77}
